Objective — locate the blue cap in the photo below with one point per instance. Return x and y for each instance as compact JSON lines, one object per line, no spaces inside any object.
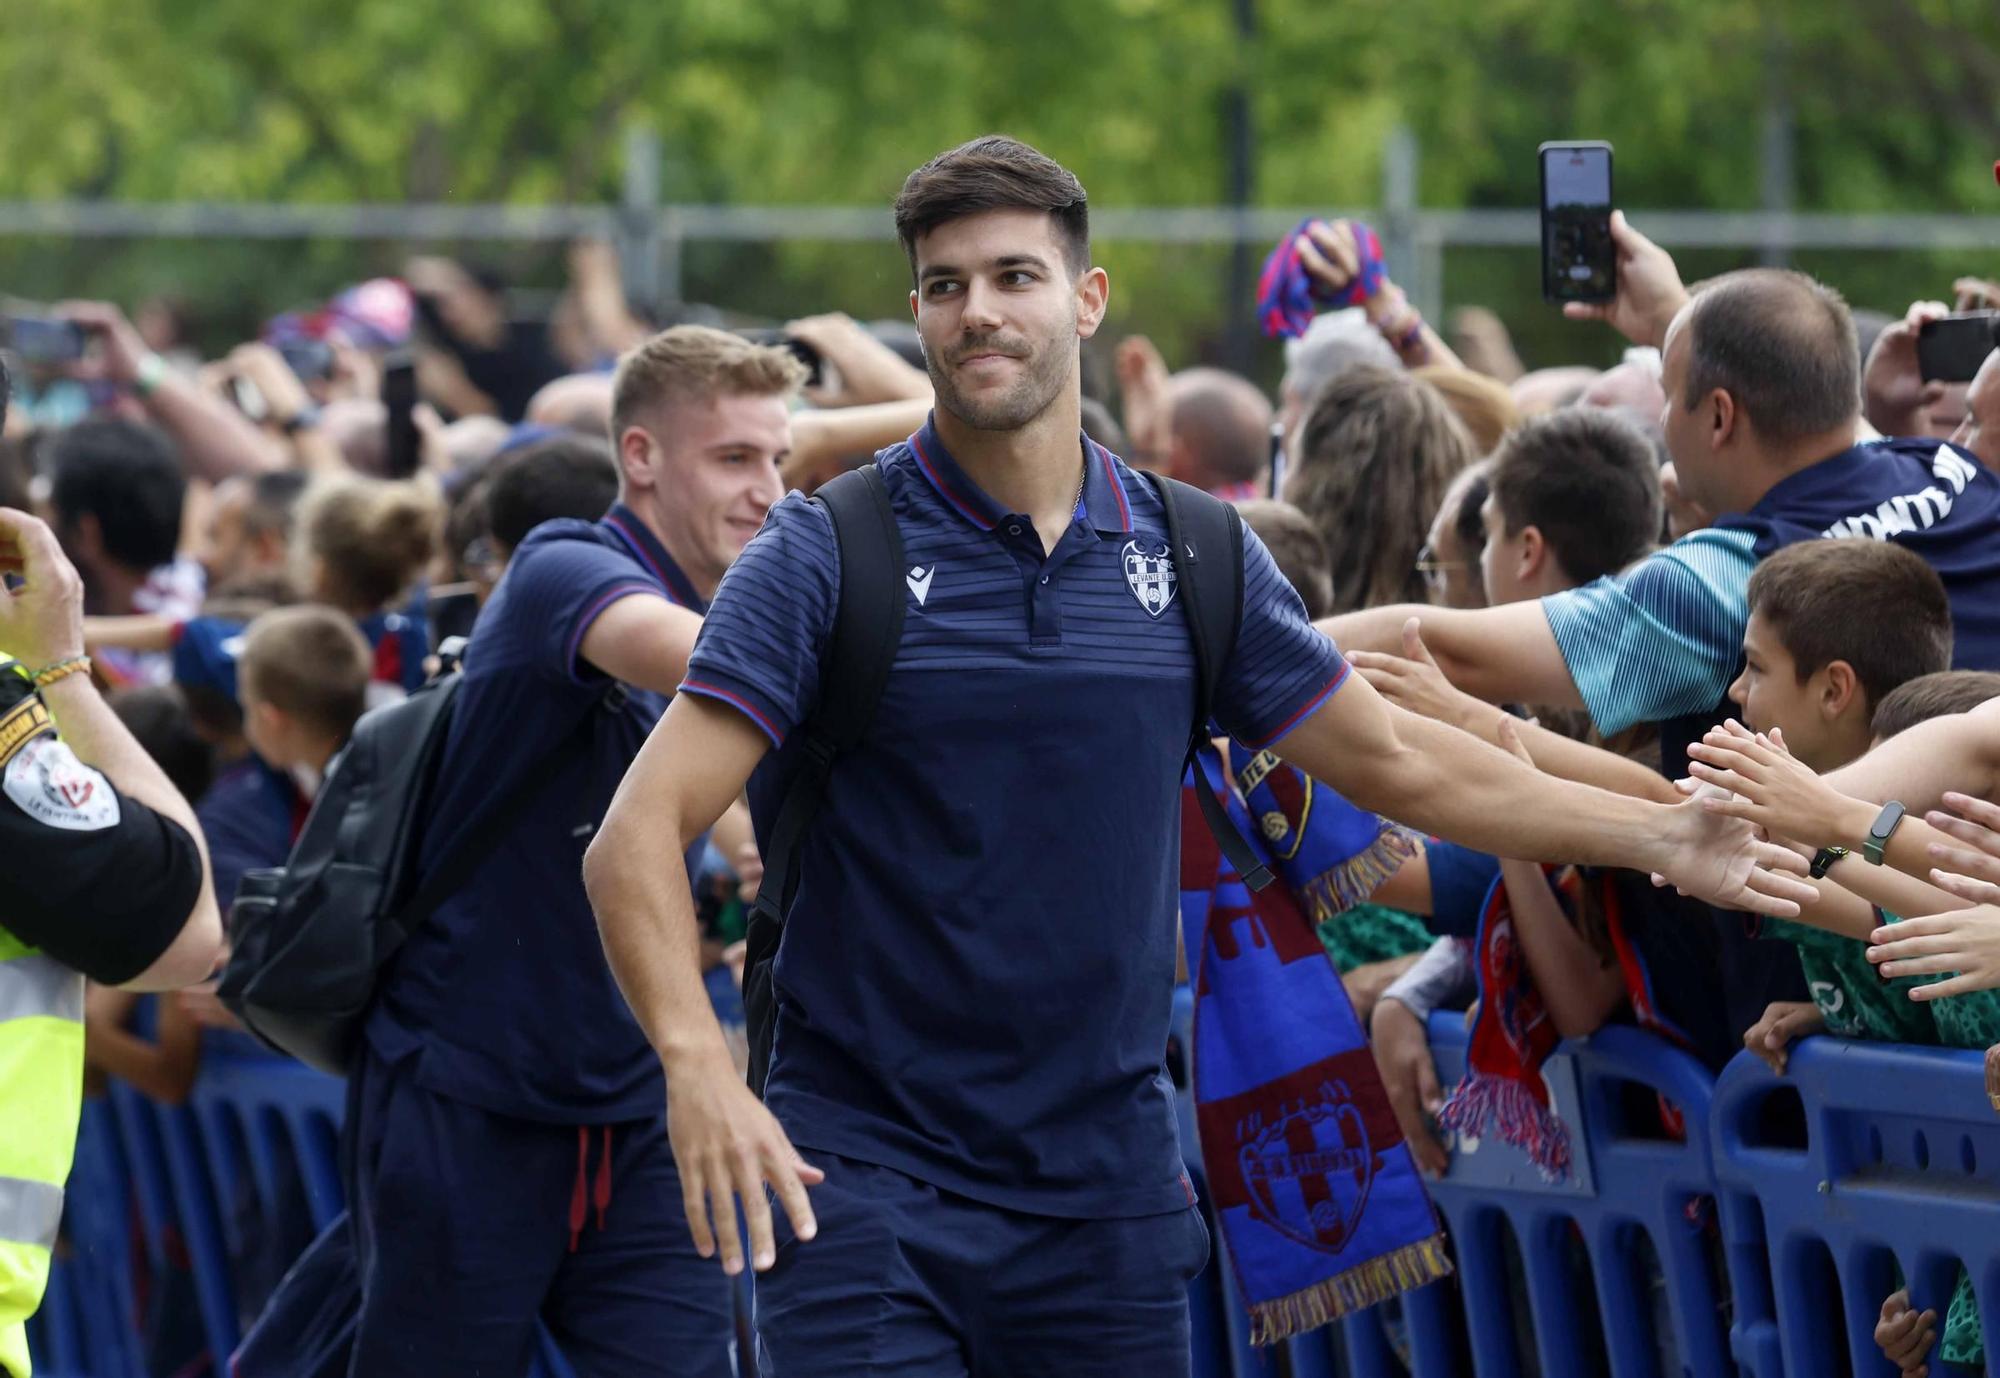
{"x":205,"y":654}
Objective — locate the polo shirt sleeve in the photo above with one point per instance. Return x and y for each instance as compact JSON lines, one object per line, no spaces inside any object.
{"x":1661,"y":639}
{"x":1283,"y":668}
{"x":558,"y":587}
{"x":760,"y":645}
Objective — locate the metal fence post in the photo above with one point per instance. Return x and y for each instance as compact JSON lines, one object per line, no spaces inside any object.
{"x":1777,"y":150}
{"x":639,"y":226}
{"x":1400,"y":158}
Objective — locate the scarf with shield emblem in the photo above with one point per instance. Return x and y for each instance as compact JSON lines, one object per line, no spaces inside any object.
{"x":1318,"y":1201}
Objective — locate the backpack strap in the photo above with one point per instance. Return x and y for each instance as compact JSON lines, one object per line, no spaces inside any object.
{"x":1206,"y":535}
{"x":867,"y":629}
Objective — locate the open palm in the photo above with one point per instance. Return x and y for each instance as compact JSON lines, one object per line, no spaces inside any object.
{"x":1725,"y":861}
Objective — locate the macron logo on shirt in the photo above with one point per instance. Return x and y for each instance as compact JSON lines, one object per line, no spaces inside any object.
{"x":919,"y":580}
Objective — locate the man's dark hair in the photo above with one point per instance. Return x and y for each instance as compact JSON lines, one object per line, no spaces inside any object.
{"x":128,"y":477}
{"x":994,"y":173}
{"x":563,"y":476}
{"x":1298,"y":549}
{"x":1932,"y":696}
{"x":1782,"y":345}
{"x":1588,"y":480}
{"x":1873,"y":604}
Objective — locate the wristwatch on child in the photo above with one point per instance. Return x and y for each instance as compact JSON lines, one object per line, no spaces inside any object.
{"x":1880,"y":831}
{"x":1823,"y":861}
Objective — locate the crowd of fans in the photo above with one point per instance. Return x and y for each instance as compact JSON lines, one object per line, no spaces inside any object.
{"x":1576,"y":564}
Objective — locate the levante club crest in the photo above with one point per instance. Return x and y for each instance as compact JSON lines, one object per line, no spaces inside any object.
{"x":1309,"y":1172}
{"x":1149,"y":569}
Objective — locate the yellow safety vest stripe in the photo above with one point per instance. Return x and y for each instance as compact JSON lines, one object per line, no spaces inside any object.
{"x":41,"y":1088}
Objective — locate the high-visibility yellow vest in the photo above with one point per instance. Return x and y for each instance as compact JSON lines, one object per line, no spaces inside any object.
{"x":41,"y":1095}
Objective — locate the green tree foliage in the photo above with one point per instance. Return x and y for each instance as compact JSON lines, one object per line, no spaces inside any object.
{"x":833,"y":101}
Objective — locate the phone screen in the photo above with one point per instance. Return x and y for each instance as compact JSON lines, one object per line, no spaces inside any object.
{"x":1579,"y":262}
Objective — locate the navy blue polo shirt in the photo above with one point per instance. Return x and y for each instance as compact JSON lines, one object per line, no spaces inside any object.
{"x":504,"y":997}
{"x":976,"y":979}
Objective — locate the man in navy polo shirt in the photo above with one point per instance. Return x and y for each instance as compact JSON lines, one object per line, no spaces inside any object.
{"x":507,"y":1138}
{"x":975,"y":981}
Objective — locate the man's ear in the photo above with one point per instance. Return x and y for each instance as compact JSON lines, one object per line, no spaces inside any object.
{"x":913,"y":303}
{"x":1840,"y":688}
{"x":635,"y":453}
{"x":1093,"y":297}
{"x":1723,"y":419}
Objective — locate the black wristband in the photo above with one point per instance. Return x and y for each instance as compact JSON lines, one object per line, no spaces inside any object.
{"x":1823,"y":862}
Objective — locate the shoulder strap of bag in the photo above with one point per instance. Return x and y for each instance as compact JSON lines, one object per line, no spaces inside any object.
{"x":867,"y":628}
{"x":1206,"y":534}
{"x":449,"y":876}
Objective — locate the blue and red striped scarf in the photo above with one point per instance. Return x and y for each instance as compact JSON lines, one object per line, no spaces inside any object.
{"x":1315,"y":1194}
{"x":1287,"y":296}
{"x":1503,"y":1091}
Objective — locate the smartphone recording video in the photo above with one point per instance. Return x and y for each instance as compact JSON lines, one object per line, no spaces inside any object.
{"x":399,"y":397}
{"x":1950,"y":350}
{"x":1579,"y":261}
{"x":42,"y":339}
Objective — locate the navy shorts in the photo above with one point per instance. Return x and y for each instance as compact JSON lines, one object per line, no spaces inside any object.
{"x":470,"y":1226}
{"x":906,"y":1279}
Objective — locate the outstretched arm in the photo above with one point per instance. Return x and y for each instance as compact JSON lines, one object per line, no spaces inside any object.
{"x":1449,"y":783}
{"x":1415,"y":681}
{"x":1506,"y":654}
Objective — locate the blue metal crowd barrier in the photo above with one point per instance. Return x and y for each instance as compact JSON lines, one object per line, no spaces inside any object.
{"x":1865,"y":1159}
{"x":255,"y":1140}
{"x":1759,"y":1242}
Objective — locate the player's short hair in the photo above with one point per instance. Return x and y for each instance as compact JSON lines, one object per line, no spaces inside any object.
{"x":994,"y":173}
{"x":696,"y":363}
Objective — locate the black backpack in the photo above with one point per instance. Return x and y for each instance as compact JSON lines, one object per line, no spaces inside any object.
{"x":308,"y":940}
{"x":1206,"y":535}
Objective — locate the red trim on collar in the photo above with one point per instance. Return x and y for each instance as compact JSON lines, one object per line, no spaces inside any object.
{"x":1117,"y":488}
{"x":965,"y":509}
